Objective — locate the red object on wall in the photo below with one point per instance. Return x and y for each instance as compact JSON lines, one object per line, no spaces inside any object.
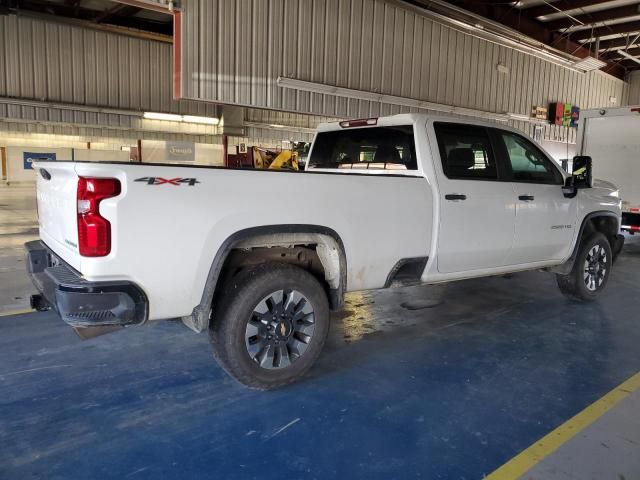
{"x":556,"y":113}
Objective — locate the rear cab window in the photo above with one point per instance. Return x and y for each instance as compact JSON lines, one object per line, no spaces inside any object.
{"x":389,"y":148}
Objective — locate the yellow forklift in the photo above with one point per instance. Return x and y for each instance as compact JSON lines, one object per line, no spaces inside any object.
{"x":274,"y":160}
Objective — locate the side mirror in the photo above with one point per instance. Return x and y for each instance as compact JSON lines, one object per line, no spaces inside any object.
{"x":569,"y":188}
{"x":582,"y":172}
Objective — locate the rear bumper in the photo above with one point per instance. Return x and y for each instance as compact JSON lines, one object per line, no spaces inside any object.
{"x":81,"y":303}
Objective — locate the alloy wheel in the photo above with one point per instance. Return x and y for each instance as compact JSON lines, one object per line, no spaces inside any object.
{"x":280,"y":329}
{"x":595,"y":268}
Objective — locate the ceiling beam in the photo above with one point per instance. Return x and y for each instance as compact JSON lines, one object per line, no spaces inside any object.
{"x":616,"y":55}
{"x":560,"y":5}
{"x":128,"y":32}
{"x":120,"y":10}
{"x":606,"y":30}
{"x":628,"y":56}
{"x":594,"y":17}
{"x":616,"y":42}
{"x":79,"y":12}
{"x":629,"y":65}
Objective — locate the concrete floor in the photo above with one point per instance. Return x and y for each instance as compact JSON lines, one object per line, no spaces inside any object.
{"x":18,"y":224}
{"x":608,"y":448}
{"x":425,"y":382}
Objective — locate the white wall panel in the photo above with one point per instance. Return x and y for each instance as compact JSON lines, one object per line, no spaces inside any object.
{"x":57,"y":62}
{"x":634,"y":88}
{"x":233,"y":51}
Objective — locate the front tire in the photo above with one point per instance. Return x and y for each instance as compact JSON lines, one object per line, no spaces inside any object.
{"x":270,"y":326}
{"x":591,"y":269}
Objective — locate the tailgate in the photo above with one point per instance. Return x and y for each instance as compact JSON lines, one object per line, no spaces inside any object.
{"x":57,"y":184}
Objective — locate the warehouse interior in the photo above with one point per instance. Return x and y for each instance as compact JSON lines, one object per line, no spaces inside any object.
{"x":498,"y":376}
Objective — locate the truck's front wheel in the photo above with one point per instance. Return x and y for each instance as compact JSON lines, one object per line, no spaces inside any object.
{"x":590,"y":271}
{"x":270,"y":326}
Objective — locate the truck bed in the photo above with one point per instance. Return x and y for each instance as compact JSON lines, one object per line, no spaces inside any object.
{"x":169,"y":221}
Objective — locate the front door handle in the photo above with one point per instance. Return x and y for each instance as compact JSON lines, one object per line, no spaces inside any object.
{"x":455,"y":196}
{"x":527,"y":198}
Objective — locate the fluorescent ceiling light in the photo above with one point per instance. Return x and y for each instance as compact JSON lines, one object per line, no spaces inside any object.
{"x":197,"y":119}
{"x":170,"y":117}
{"x":588,"y":64}
{"x":293,"y":83}
{"x":288,"y":128}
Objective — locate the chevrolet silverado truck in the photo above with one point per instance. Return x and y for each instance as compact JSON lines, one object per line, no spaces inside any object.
{"x":400,"y":200}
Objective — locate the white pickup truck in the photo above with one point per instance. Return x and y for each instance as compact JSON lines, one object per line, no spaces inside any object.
{"x":388,"y":201}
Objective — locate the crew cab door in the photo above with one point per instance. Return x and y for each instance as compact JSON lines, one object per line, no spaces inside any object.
{"x":545,"y":219}
{"x":477,"y":210}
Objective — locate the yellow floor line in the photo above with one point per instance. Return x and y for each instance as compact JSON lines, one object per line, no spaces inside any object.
{"x":524,"y":461}
{"x":16,"y":312}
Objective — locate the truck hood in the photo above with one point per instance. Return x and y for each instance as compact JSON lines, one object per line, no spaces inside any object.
{"x":604,"y":187}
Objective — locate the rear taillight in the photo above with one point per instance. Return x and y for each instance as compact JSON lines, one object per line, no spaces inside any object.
{"x":94,"y":231}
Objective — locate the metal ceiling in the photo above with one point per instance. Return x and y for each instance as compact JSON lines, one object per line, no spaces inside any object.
{"x":131,"y":15}
{"x":600,"y":28}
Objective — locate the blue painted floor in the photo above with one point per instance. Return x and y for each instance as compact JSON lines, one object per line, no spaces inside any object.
{"x":426,"y":382}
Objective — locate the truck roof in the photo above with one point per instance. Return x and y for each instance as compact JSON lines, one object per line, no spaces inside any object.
{"x":410,"y":118}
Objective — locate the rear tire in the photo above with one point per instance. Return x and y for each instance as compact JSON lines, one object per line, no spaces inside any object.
{"x":270,"y":326}
{"x":591,"y":269}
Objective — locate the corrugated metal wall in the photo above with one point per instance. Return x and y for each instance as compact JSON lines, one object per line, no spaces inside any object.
{"x":634,"y":88}
{"x":233,"y":51}
{"x":58,"y":62}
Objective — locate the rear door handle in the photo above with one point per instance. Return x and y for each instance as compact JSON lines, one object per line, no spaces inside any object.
{"x":455,"y":196}
{"x":526,"y":198}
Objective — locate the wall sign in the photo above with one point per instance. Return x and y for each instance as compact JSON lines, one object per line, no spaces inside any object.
{"x":180,"y":151}
{"x":29,"y":157}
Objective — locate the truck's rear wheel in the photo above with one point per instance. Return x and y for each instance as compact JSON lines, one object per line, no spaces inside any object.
{"x":591,"y":269}
{"x":270,"y":326}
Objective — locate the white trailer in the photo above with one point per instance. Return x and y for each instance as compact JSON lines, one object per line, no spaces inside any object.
{"x":611,"y":137}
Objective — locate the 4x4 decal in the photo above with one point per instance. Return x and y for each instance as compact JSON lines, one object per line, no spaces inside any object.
{"x":169,"y":181}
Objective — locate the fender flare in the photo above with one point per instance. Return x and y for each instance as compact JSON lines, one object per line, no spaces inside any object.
{"x":567,"y":266}
{"x":199,"y":319}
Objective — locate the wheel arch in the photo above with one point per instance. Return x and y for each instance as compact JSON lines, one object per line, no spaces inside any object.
{"x":604,"y":221}
{"x":269,"y":236}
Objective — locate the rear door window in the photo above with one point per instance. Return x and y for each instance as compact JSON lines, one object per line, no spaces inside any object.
{"x":466,"y":152}
{"x":372,"y":148}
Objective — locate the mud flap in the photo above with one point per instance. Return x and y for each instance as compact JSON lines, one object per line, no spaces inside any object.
{"x":87,"y":333}
{"x":617,"y":242}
